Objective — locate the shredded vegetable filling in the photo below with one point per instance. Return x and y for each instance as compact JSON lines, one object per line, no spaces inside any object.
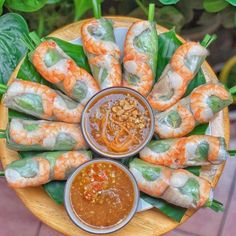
{"x":102,"y":194}
{"x":119,"y":123}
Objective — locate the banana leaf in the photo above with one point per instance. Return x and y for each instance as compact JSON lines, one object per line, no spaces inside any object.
{"x":55,"y":190}
{"x":174,"y":212}
{"x":167,"y":44}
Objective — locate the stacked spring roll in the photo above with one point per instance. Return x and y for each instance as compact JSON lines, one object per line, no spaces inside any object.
{"x":178,"y":187}
{"x":195,"y":150}
{"x":140,"y":55}
{"x":59,"y":69}
{"x":28,"y":135}
{"x":42,"y":102}
{"x":199,"y":107}
{"x":102,"y":51}
{"x":45,"y":167}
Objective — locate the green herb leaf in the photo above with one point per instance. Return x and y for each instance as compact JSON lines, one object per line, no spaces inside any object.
{"x":27,"y":168}
{"x":25,"y":5}
{"x":160,"y":146}
{"x":194,"y":170}
{"x":82,"y":6}
{"x":15,"y":114}
{"x":1,"y":6}
{"x":13,"y":27}
{"x":170,"y":16}
{"x":168,"y":2}
{"x":174,"y":212}
{"x":30,"y":103}
{"x":191,"y":188}
{"x":202,"y":150}
{"x":214,"y":5}
{"x":232,"y":2}
{"x":52,"y":57}
{"x":200,"y":129}
{"x":55,"y":190}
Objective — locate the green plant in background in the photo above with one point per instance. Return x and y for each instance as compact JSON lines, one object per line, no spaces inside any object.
{"x":46,"y":15}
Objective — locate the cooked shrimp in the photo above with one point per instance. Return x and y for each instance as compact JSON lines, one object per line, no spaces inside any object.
{"x":187,"y":59}
{"x":187,"y":190}
{"x":68,"y":161}
{"x":41,"y":174}
{"x":53,"y":68}
{"x":56,"y":67}
{"x":199,"y":149}
{"x":173,"y":83}
{"x":153,"y":180}
{"x":138,"y":74}
{"x":56,"y":129}
{"x":175,"y":122}
{"x":166,"y":152}
{"x":19,"y":88}
{"x":81,"y":87}
{"x":167,"y":91}
{"x":66,"y":110}
{"x":24,"y":133}
{"x":98,"y":38}
{"x":206,"y":100}
{"x":106,"y":70}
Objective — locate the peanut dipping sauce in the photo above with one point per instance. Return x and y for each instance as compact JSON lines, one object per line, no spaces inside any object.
{"x":102,"y":194}
{"x":118,"y":122}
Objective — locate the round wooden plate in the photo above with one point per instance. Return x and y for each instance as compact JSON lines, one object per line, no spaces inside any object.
{"x":148,"y":223}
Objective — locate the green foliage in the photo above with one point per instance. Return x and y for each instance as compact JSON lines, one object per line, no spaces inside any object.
{"x":55,"y":190}
{"x":1,"y":6}
{"x":214,"y":5}
{"x":232,"y":2}
{"x":25,"y":5}
{"x":168,"y":2}
{"x":12,"y":49}
{"x":174,"y":212}
{"x":82,"y":6}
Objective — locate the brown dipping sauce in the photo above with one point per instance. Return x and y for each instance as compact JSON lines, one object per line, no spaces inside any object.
{"x":102,"y":194}
{"x":118,"y":122}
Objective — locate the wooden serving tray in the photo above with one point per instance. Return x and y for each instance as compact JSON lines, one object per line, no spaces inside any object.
{"x":148,"y":223}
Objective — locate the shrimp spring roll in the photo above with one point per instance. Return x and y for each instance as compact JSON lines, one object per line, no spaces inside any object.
{"x":140,"y":55}
{"x":42,"y":102}
{"x":28,"y":135}
{"x":173,"y":83}
{"x":178,"y":187}
{"x":59,"y":69}
{"x":195,"y":150}
{"x":199,"y":107}
{"x":45,"y":167}
{"x":102,"y":51}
